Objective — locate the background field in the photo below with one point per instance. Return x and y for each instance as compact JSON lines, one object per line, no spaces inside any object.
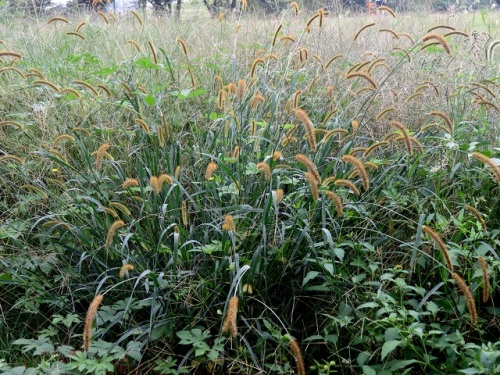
{"x":337,"y":173}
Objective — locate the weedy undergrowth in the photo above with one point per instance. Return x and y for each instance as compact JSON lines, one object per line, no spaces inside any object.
{"x":250,"y":197}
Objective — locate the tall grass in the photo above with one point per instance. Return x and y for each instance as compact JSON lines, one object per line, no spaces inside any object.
{"x":264,"y":180}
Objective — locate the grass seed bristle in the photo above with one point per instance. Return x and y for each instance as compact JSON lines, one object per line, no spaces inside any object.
{"x":348,"y":184}
{"x":124,"y":269}
{"x":363,"y":75}
{"x":446,"y":119}
{"x":211,"y":167}
{"x":360,"y":168}
{"x":153,"y":52}
{"x":404,"y":133}
{"x":44,"y":82}
{"x":130,"y":182}
{"x":469,"y":299}
{"x":143,"y":125}
{"x":313,"y":183}
{"x":362,"y":29}
{"x":100,"y":155}
{"x":441,"y":245}
{"x":303,"y":159}
{"x":137,"y":17}
{"x":74,"y":33}
{"x":495,"y":169}
{"x":103,"y":16}
{"x":54,"y":19}
{"x":297,"y":355}
{"x":383,"y":112}
{"x":256,"y":62}
{"x":135,"y":44}
{"x":477,"y":215}
{"x":79,"y":26}
{"x":336,"y":201}
{"x":183,"y":45}
{"x":230,"y":327}
{"x":308,"y":127}
{"x":89,"y":321}
{"x":440,"y":27}
{"x":390,"y":31}
{"x":438,"y":38}
{"x":486,"y":279}
{"x":384,"y":8}
{"x":12,"y":69}
{"x":276,"y":34}
{"x":87,"y":86}
{"x":265,"y":169}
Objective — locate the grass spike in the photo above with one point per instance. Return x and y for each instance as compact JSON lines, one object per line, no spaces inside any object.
{"x":89,"y":321}
{"x":124,"y":269}
{"x":229,"y":327}
{"x":486,"y":279}
{"x":469,"y":299}
{"x":441,"y":245}
{"x":362,"y":29}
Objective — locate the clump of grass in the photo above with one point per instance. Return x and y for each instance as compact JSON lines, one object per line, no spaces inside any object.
{"x":266,"y":121}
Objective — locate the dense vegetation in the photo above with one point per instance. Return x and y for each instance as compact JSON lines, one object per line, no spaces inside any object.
{"x":311,"y":194}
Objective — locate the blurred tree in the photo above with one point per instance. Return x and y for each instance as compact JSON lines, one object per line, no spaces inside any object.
{"x":160,"y":6}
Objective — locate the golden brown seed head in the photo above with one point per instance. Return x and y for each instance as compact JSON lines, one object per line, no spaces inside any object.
{"x":495,"y":169}
{"x":130,"y":182}
{"x":440,"y":243}
{"x":265,"y":169}
{"x":240,"y":91}
{"x":229,"y":224}
{"x":348,"y":184}
{"x":124,"y":269}
{"x":89,"y":320}
{"x":231,"y":88}
{"x":277,"y":155}
{"x":100,"y":154}
{"x":439,"y":39}
{"x":279,"y":195}
{"x":360,"y":168}
{"x":336,"y":201}
{"x":477,"y":214}
{"x":183,"y":45}
{"x":111,"y":232}
{"x":469,"y":299}
{"x":303,"y":159}
{"x":486,"y":279}
{"x":165,"y":178}
{"x":155,"y":184}
{"x":308,"y":127}
{"x":211,"y":167}
{"x":299,"y":360}
{"x":230,"y":328}
{"x":257,"y":98}
{"x":313,"y":183}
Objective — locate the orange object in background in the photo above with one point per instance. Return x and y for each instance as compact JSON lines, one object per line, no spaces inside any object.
{"x":371,"y":7}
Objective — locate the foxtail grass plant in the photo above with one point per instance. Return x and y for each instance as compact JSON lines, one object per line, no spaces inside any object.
{"x":273,"y":157}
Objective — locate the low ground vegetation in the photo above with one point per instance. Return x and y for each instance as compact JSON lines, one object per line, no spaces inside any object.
{"x":310,"y":193}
